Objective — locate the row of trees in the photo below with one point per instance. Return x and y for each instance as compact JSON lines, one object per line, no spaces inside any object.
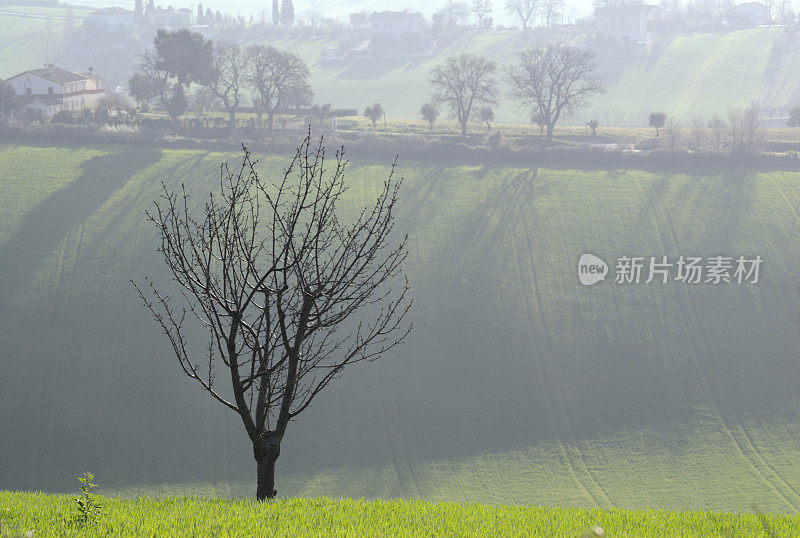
{"x":224,"y":72}
{"x":739,"y":132}
{"x":548,"y":82}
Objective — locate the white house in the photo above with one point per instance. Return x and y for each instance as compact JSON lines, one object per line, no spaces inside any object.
{"x":625,"y":23}
{"x":395,"y":23}
{"x":747,"y":15}
{"x":113,"y":17}
{"x":49,"y":89}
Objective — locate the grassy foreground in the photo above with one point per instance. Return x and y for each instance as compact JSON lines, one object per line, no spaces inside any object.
{"x":49,"y":515}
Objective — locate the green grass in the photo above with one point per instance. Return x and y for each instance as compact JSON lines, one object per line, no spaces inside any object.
{"x":19,"y":40}
{"x":47,"y":516}
{"x":518,"y":385}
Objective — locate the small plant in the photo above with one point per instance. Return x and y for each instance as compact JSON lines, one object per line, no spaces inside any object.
{"x":88,"y":503}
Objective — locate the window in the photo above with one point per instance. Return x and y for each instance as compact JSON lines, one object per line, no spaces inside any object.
{"x":50,"y":90}
{"x":28,"y":91}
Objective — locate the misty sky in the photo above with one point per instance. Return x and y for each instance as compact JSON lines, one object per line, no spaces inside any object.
{"x":337,"y":8}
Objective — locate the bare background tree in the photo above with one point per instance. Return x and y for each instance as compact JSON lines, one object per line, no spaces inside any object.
{"x":464,"y":82}
{"x":481,"y":8}
{"x":227,"y":77}
{"x":553,"y":81}
{"x":279,"y":78}
{"x":275,"y":277}
{"x":524,"y":10}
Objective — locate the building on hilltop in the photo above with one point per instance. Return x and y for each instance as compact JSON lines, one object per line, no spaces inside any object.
{"x":49,"y":89}
{"x":625,"y":23}
{"x":747,"y":15}
{"x":392,"y":32}
{"x":113,"y":17}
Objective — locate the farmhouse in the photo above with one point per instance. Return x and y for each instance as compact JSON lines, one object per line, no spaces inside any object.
{"x":747,"y":15}
{"x":47,"y":90}
{"x":112,"y":17}
{"x":625,"y":23}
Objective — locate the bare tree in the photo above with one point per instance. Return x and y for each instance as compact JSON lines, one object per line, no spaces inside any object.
{"x":673,"y":130}
{"x":481,"y":8}
{"x":275,"y":277}
{"x":551,"y":10}
{"x":553,"y":81}
{"x":227,"y":77}
{"x":735,"y":118}
{"x":698,"y":134}
{"x":464,"y":82}
{"x":523,"y":10}
{"x":752,"y":131}
{"x":717,"y":127}
{"x":279,"y":77}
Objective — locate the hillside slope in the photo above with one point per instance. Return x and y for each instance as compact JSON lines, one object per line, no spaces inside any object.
{"x":518,"y":385}
{"x":698,"y":74}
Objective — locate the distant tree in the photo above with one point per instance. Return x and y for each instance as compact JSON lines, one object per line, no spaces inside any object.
{"x":551,"y":10}
{"x":289,"y":292}
{"x":287,"y":13}
{"x":276,"y":13}
{"x":486,"y":115}
{"x":143,"y":90}
{"x":177,"y":104}
{"x":673,"y":130}
{"x":617,"y":3}
{"x":279,"y":79}
{"x":209,"y":18}
{"x":184,"y":55}
{"x":523,"y":10}
{"x":464,"y":82}
{"x":735,"y":120}
{"x":657,"y":120}
{"x":151,"y":6}
{"x":752,"y":129}
{"x":481,"y":8}
{"x":429,"y":112}
{"x":218,"y":20}
{"x":7,"y":92}
{"x":138,"y":8}
{"x":698,"y":134}
{"x":794,"y":117}
{"x":593,"y":125}
{"x":227,"y":78}
{"x":200,"y":13}
{"x":717,"y":127}
{"x":539,"y":119}
{"x":447,"y":19}
{"x":359,"y":21}
{"x":554,"y":80}
{"x":374,"y":113}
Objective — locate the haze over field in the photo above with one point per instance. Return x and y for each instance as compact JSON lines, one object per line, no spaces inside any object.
{"x":518,"y":384}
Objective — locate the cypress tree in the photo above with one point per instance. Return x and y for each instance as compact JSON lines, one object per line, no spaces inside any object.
{"x":287,"y":12}
{"x":276,"y":14}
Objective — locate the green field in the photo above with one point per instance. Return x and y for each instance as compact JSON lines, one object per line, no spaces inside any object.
{"x":49,"y":515}
{"x":20,"y":39}
{"x":518,"y":385}
{"x":697,"y":74}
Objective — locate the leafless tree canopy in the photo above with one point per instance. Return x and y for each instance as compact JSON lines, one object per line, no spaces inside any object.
{"x":276,"y":277}
{"x":464,"y":82}
{"x":279,"y":77}
{"x":552,"y":81}
{"x":227,"y":77}
{"x":524,"y":10}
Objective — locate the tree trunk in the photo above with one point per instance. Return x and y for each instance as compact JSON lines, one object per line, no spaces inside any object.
{"x":550,"y":131}
{"x":266,"y":450}
{"x":270,"y":118}
{"x":266,"y":480}
{"x":463,"y":129}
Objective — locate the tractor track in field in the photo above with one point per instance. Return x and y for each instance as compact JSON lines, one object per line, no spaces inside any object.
{"x":733,"y":423}
{"x":597,"y":493}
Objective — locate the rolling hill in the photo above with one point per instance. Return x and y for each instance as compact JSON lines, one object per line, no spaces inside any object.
{"x":694,"y":75}
{"x":518,"y":385}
